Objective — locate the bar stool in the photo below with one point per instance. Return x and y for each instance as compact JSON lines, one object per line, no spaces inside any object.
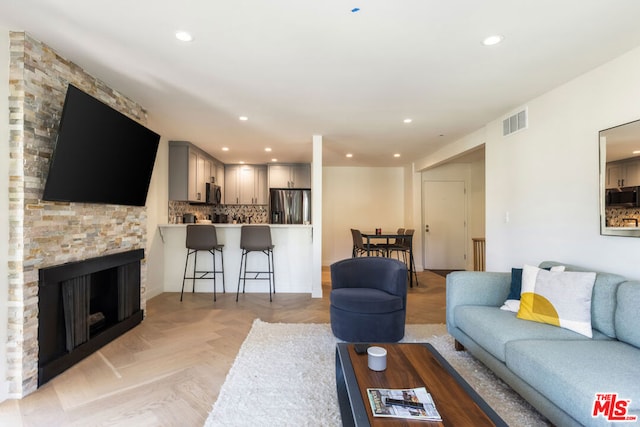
{"x":256,"y":238}
{"x":203,"y":238}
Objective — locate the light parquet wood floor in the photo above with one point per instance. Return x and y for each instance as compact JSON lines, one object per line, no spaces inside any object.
{"x":168,"y":370}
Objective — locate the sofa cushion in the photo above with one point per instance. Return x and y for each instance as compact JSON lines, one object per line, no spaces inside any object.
{"x":603,"y":300}
{"x":492,"y":328}
{"x":365,"y":300}
{"x":627,"y":320}
{"x":570,"y":373}
{"x":557,"y":298}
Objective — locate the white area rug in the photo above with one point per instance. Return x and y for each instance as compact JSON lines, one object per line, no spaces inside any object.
{"x":284,"y":375}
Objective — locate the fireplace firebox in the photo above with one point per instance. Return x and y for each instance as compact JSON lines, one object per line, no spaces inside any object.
{"x":83,"y":306}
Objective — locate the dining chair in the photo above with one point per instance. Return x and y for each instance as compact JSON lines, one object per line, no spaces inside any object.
{"x":359,"y":249}
{"x":404,"y":248}
{"x":391,"y":246}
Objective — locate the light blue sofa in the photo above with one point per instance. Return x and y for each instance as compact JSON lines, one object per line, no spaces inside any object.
{"x":556,"y":370}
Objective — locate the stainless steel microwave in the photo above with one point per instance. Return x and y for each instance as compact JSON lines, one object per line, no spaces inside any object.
{"x":214,"y":194}
{"x":623,"y":197}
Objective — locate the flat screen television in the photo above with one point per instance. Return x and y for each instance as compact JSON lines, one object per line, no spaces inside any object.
{"x":100,"y":156}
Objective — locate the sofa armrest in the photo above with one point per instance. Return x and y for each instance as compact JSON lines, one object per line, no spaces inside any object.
{"x":475,"y":288}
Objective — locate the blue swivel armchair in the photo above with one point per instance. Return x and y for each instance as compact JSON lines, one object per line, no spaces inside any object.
{"x":368,"y":299}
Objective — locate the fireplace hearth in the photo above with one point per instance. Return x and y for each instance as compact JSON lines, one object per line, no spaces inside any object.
{"x":83,"y":306}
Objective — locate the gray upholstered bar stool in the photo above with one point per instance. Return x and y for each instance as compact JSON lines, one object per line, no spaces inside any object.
{"x":203,"y":238}
{"x":256,"y":238}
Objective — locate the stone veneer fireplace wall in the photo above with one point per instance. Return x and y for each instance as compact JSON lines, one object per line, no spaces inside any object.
{"x":44,"y":234}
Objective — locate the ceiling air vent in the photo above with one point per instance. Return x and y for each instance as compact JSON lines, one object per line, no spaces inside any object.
{"x":514,"y":123}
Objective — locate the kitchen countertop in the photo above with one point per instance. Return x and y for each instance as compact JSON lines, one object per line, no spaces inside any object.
{"x":293,"y":258}
{"x":226,"y":225}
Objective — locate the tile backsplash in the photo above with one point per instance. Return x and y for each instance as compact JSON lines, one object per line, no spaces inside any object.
{"x":254,"y":214}
{"x":621,"y":217}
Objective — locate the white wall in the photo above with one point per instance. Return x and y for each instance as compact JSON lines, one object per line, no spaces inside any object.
{"x":157,"y":213}
{"x":365,"y":198}
{"x":4,"y":206}
{"x":316,"y":216}
{"x":546,"y":177}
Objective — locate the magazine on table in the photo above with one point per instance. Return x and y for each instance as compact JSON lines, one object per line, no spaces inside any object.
{"x":414,"y":403}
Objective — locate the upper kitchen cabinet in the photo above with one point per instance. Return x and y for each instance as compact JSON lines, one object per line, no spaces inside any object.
{"x":624,"y":173}
{"x":190,"y":169}
{"x":218,"y":167}
{"x":245,"y":185}
{"x":297,"y":175}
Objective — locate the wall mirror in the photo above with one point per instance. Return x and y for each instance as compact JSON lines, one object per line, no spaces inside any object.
{"x":620,"y":180}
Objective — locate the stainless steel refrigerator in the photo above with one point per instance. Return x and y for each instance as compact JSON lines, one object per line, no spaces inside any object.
{"x":289,"y":206}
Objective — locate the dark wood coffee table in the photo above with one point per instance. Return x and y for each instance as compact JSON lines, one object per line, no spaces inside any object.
{"x":408,"y":366}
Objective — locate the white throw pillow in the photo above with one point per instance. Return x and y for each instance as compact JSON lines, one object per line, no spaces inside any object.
{"x":557,"y":298}
{"x":513,"y":305}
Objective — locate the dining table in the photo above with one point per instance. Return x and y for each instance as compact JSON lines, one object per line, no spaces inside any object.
{"x":387,"y":236}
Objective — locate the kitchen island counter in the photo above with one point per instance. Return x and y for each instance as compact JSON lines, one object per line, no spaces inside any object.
{"x":229,"y":225}
{"x":293,"y":259}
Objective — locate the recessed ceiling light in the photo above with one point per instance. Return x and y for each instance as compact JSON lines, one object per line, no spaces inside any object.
{"x":636,"y":152}
{"x":349,"y":155}
{"x":241,"y":162}
{"x":407,"y":120}
{"x":274,"y":160}
{"x":396,"y":155}
{"x":243,"y":118}
{"x":491,"y":40}
{"x":225,"y":148}
{"x":184,"y":36}
{"x":268,"y":149}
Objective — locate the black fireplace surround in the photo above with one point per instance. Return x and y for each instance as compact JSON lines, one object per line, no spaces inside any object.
{"x":83,"y":306}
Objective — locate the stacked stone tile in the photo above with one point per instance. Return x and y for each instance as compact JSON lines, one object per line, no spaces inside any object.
{"x":43,"y":234}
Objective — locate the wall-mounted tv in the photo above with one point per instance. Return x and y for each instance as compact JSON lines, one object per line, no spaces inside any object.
{"x":101,"y":155}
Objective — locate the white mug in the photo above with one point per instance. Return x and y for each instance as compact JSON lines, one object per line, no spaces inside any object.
{"x":377,"y":358}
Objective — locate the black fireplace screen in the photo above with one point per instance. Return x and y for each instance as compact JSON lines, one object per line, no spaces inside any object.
{"x":75,"y":303}
{"x":84,"y":305}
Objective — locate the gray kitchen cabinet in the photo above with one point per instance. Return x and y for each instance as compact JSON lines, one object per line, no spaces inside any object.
{"x":190,"y":168}
{"x":260,"y":191}
{"x":625,"y":173}
{"x":245,"y":184}
{"x":295,"y":175}
{"x":231,"y":185}
{"x":218,"y":174}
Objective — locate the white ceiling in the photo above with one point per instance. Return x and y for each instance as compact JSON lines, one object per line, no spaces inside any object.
{"x":300,"y":67}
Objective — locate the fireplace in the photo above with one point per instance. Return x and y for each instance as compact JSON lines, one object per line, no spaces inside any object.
{"x":84,"y":305}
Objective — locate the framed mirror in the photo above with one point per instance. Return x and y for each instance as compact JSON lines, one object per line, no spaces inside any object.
{"x":620,"y":180}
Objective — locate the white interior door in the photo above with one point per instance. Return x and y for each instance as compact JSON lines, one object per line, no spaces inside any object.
{"x":445,"y":230}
